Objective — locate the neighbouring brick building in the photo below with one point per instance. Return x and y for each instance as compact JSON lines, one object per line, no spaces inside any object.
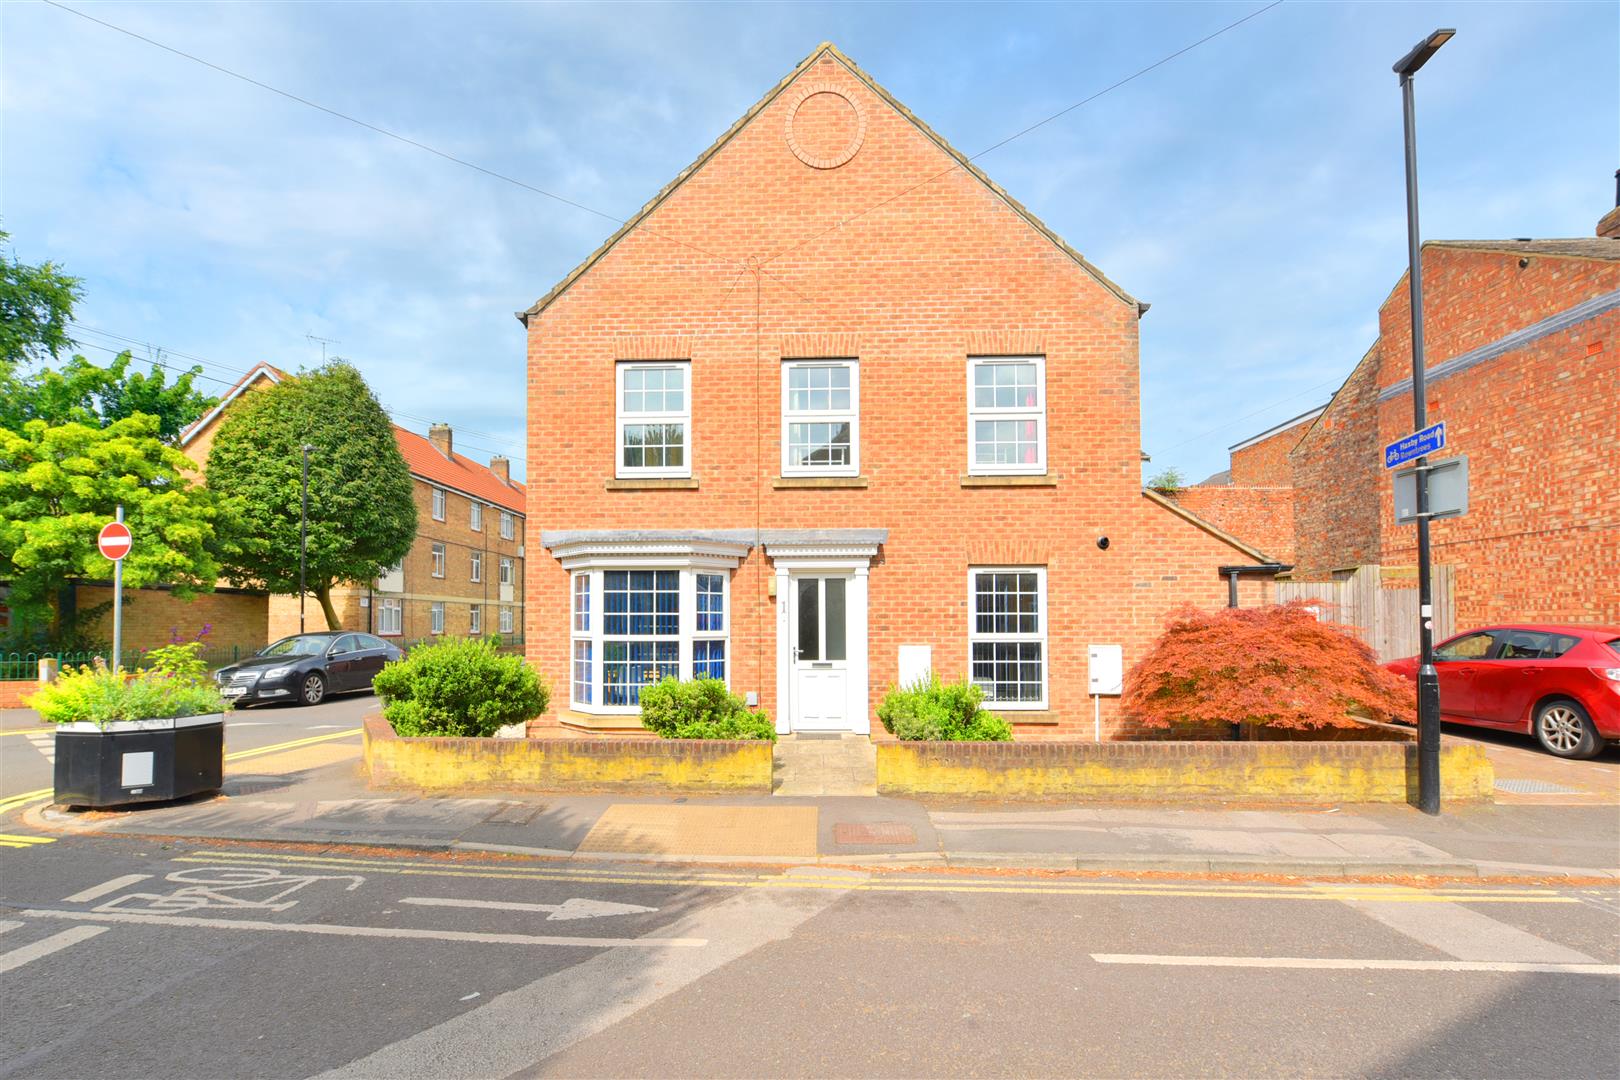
{"x":833,"y":410}
{"x":1522,"y":343}
{"x":463,"y":576}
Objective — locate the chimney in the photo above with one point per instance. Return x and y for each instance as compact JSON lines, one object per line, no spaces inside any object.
{"x":439,"y":436}
{"x":1609,"y":224}
{"x":501,"y":468}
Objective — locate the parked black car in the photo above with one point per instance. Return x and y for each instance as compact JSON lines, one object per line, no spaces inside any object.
{"x":305,"y":668}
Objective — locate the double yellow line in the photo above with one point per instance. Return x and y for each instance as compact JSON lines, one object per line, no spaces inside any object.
{"x":28,"y":798}
{"x":17,"y":840}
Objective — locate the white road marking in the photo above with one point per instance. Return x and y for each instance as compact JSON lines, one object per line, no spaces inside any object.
{"x":16,"y":958}
{"x":372,"y":931}
{"x":45,"y":743}
{"x":8,"y":924}
{"x":104,"y":888}
{"x":1348,"y":964}
{"x":1465,"y":933}
{"x":326,"y":727}
{"x":570,"y":909}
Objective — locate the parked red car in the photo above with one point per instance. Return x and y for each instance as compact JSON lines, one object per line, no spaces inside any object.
{"x":1559,"y":683}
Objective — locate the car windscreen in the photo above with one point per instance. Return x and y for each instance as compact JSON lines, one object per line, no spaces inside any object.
{"x":303,"y":645}
{"x":1615,"y":645}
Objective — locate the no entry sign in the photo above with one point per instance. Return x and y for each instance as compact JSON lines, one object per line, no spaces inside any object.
{"x":115,"y":540}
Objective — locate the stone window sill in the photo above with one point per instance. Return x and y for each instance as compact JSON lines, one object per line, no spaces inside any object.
{"x":652,"y":484}
{"x":1024,"y":716}
{"x":789,"y":482}
{"x":1045,"y":480}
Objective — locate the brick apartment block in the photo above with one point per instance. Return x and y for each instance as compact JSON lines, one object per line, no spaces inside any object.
{"x":833,"y":410}
{"x":463,"y":575}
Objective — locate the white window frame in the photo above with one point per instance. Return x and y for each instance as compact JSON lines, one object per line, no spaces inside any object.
{"x":475,"y":515}
{"x":439,"y":501}
{"x":852,"y":416}
{"x":682,"y":417}
{"x":506,"y":623}
{"x":506,"y":525}
{"x":477,"y":566}
{"x":436,"y":617}
{"x":507,"y":577}
{"x":1042,"y":613}
{"x":475,"y":620}
{"x":976,"y":413}
{"x":439,"y":559}
{"x":592,"y":630}
{"x":390,"y":617}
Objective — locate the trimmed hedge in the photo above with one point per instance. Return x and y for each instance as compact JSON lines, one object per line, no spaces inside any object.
{"x":941,"y":712}
{"x":701,"y":709}
{"x":459,"y":688}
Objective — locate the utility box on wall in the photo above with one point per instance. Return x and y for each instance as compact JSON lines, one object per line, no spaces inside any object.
{"x":916,"y":664}
{"x":1105,"y":670}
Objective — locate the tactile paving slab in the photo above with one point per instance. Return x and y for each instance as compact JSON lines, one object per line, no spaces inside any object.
{"x":637,"y":829}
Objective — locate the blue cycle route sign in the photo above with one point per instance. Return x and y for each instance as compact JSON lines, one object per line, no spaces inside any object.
{"x":1430,"y":440}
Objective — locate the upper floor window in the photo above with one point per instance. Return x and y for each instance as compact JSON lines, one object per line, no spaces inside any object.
{"x":438,"y":504}
{"x":506,"y":525}
{"x":475,"y":516}
{"x":506,"y":570}
{"x":477,"y":566}
{"x":438,"y":560}
{"x":654,"y":419}
{"x":821,"y":420}
{"x":1007,"y":415}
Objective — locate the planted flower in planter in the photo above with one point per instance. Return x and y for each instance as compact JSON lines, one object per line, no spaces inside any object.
{"x":132,"y":738}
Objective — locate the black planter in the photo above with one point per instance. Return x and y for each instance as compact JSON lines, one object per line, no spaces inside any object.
{"x":139,"y":761}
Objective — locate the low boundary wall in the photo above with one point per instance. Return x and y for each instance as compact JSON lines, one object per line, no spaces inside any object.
{"x":589,"y":764}
{"x":1179,"y":771}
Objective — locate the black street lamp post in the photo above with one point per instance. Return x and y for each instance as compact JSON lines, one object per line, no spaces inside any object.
{"x":1428,"y":680}
{"x":303,"y":534}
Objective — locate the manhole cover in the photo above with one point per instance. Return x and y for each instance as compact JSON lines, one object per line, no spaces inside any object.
{"x":1533,"y":787}
{"x":514,"y":813}
{"x":878,"y":832}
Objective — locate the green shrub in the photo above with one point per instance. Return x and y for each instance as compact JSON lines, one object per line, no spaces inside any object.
{"x":459,"y":688}
{"x":701,"y":709}
{"x":182,"y":661}
{"x":93,"y":693}
{"x":935,"y":711}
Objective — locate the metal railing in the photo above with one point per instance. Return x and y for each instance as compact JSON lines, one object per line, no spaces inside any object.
{"x":24,"y":666}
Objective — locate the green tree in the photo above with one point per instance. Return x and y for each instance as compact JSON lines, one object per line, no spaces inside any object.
{"x":362,"y":517}
{"x":36,"y":308}
{"x":59,"y":484}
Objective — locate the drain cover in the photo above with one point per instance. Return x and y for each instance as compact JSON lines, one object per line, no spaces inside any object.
{"x":877,"y":832}
{"x":1533,"y":787}
{"x":514,"y":813}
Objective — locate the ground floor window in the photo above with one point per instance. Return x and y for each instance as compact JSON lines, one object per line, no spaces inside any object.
{"x":506,"y":620}
{"x":475,"y":620}
{"x":436,"y":617}
{"x":653,"y":624}
{"x":390,"y":617}
{"x":1007,"y":635}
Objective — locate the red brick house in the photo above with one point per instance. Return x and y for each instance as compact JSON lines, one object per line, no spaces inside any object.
{"x":1522,"y":341}
{"x":833,"y":409}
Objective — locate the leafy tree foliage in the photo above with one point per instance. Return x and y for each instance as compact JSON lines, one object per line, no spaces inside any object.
{"x":1168,"y":482}
{"x":36,"y":306}
{"x":362,"y":517}
{"x":1276,"y":666}
{"x":60,"y":484}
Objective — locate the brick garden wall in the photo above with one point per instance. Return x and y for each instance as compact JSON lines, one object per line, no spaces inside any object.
{"x":152,"y":615}
{"x":911,"y":290}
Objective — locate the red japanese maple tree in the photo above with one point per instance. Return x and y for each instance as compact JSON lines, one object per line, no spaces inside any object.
{"x":1278,"y":666}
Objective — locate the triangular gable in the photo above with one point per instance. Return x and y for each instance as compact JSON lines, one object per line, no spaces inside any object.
{"x":824,"y":49}
{"x":258,"y":371}
{"x":1214,"y":530}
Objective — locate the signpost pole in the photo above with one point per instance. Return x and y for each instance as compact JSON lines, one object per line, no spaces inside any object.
{"x":1428,"y":679}
{"x":118,"y":602}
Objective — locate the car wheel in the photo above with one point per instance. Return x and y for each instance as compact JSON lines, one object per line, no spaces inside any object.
{"x":1563,"y":728}
{"x":314,"y":690}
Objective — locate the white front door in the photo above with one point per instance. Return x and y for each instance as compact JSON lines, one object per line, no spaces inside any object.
{"x":818,"y":617}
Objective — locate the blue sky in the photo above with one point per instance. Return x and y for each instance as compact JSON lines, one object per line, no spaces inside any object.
{"x":1251,"y":190}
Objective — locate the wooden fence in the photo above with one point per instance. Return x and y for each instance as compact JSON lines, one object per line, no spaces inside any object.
{"x":1381,"y":603}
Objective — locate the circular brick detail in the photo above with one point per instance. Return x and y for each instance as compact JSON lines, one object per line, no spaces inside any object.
{"x":825,"y":128}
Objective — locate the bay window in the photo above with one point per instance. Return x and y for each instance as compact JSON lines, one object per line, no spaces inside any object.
{"x":1007,"y":415}
{"x":1007,"y":635}
{"x":633,"y":626}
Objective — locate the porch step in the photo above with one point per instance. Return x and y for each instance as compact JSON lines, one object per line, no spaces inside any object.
{"x":602,"y":725}
{"x":819,"y":765}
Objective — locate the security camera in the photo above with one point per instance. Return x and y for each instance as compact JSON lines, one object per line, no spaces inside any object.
{"x":1102,"y":543}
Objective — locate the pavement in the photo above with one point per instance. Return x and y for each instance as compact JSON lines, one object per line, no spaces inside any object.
{"x":311,"y":791}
